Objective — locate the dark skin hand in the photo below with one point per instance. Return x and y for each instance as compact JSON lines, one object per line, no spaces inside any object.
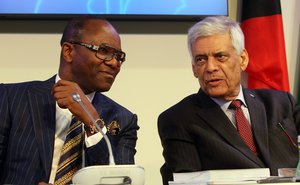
{"x":62,"y":92}
{"x":43,"y":183}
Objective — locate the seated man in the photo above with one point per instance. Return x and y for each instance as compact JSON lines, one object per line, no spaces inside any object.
{"x":224,"y":125}
{"x":45,"y":135}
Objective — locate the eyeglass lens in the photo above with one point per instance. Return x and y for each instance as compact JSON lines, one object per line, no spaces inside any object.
{"x":106,"y":52}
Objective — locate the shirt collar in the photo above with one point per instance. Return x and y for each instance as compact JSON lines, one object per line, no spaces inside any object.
{"x":225,"y":104}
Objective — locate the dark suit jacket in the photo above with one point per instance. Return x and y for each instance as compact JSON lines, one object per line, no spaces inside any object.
{"x":197,"y":135}
{"x":27,"y":128}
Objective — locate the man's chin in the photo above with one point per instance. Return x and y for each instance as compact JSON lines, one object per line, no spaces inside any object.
{"x":215,"y":93}
{"x":104,"y":87}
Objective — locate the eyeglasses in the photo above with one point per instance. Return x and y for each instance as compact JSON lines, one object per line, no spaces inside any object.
{"x":104,"y":51}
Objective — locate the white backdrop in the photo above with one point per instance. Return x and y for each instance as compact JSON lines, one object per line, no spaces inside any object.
{"x":156,"y":75}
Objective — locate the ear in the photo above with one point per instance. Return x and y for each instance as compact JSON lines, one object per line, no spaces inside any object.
{"x":67,"y":51}
{"x":194,"y":68}
{"x":244,"y":59}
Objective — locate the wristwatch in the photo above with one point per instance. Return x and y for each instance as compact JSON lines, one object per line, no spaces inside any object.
{"x":93,"y":128}
{"x":100,"y":122}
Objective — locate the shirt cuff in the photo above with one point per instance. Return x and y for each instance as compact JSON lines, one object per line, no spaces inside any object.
{"x":94,"y":139}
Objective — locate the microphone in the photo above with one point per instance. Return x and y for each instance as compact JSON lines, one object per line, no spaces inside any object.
{"x":107,"y":174}
{"x":77,"y":98}
{"x":288,"y":135}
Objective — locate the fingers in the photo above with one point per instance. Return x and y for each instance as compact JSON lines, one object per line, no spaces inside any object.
{"x":44,"y":183}
{"x":65,"y":86}
{"x":62,"y":92}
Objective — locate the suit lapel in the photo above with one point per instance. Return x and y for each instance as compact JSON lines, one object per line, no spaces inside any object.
{"x":42,"y":107}
{"x":258,"y":124}
{"x":217,"y":120}
{"x":99,"y":104}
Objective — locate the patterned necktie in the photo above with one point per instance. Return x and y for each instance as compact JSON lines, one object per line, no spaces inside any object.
{"x":243,"y":125}
{"x":71,"y":154}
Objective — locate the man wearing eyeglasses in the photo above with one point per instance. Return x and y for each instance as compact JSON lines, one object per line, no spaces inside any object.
{"x":35,"y":116}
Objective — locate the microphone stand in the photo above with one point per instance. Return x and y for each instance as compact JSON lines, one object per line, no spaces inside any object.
{"x":77,"y":98}
{"x":107,"y":174}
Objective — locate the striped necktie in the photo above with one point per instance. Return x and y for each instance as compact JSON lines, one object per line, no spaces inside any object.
{"x":243,"y":125}
{"x":71,"y":154}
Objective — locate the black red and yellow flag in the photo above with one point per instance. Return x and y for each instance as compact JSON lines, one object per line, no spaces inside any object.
{"x":264,"y":41}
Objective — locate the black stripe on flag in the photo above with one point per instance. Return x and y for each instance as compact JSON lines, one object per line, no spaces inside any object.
{"x":260,"y":8}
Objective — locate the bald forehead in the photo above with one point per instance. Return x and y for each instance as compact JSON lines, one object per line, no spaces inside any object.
{"x":83,"y":26}
{"x":100,"y":31}
{"x":98,"y":25}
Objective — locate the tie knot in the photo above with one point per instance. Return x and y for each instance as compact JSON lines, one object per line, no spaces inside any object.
{"x":235,"y":104}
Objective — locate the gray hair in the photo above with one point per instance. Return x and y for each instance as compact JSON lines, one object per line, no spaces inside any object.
{"x":217,"y":25}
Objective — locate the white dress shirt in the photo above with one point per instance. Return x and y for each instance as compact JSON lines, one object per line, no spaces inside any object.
{"x":230,"y":112}
{"x":63,"y":121}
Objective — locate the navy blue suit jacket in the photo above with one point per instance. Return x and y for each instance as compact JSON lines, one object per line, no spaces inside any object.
{"x":27,"y":128}
{"x":197,"y":135}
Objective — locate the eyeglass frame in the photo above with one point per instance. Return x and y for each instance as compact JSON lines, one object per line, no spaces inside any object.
{"x":96,"y":48}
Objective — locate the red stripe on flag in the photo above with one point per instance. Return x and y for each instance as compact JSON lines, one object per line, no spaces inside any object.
{"x":264,"y":41}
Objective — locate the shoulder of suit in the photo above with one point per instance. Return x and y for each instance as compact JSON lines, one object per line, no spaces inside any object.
{"x":264,"y":92}
{"x":103,"y":99}
{"x":269,"y":95}
{"x":26,"y":85}
{"x":181,"y":105}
